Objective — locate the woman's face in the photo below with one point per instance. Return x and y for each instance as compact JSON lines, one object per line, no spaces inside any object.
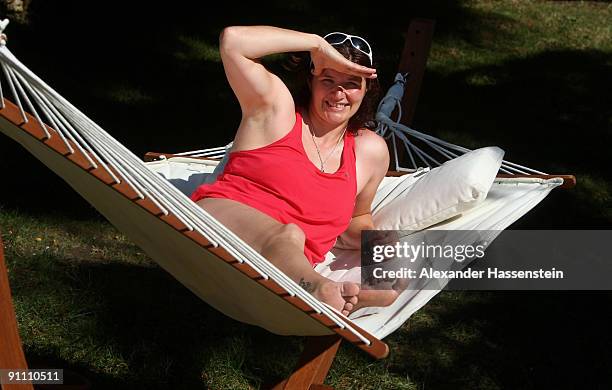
{"x":336,"y":96}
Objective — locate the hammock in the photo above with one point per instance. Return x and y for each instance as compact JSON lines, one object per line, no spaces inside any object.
{"x":141,"y":201}
{"x":507,"y":201}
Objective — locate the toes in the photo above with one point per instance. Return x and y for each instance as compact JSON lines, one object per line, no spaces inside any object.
{"x":341,"y":296}
{"x":348,"y":289}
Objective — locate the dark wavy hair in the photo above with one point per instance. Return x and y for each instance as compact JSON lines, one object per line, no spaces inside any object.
{"x":300,"y":64}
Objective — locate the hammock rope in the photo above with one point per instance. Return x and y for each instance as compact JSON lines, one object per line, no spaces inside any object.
{"x":390,"y":128}
{"x":75,"y":128}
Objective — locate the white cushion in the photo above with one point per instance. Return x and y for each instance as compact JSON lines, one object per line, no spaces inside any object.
{"x":442,"y":193}
{"x":184,"y":173}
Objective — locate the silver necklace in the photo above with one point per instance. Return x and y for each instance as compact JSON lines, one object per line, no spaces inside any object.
{"x":330,"y":153}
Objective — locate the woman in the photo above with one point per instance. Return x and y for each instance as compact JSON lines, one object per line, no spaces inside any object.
{"x":299,"y":177}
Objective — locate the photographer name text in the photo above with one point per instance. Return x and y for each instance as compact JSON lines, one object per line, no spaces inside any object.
{"x":468,"y":273}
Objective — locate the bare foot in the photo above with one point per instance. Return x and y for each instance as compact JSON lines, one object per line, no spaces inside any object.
{"x":377,"y":298}
{"x":341,"y":296}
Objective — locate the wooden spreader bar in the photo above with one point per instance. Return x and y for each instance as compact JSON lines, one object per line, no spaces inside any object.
{"x":569,"y":181}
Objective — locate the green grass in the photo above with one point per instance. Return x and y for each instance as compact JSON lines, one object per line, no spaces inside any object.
{"x":519,"y":29}
{"x":126,"y":95}
{"x":115,"y":317}
{"x":197,"y":50}
{"x":531,"y":77}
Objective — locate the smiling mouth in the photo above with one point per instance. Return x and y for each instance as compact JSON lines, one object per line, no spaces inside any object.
{"x":337,"y":106}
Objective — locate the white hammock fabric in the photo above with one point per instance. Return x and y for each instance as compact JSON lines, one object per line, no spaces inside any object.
{"x":215,"y":281}
{"x":507,"y":201}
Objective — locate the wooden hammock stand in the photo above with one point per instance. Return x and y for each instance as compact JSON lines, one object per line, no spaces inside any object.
{"x":319,"y":352}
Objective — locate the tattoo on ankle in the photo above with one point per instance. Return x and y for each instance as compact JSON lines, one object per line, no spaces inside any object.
{"x":306,"y":285}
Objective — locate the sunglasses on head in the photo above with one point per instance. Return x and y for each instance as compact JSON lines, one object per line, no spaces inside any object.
{"x":338,"y":38}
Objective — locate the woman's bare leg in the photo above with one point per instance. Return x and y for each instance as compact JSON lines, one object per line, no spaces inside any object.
{"x":283,"y":246}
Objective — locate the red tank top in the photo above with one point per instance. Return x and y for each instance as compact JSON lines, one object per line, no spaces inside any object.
{"x":280,"y":180}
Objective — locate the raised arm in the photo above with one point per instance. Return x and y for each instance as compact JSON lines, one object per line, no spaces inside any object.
{"x":242,"y":47}
{"x":257,"y":88}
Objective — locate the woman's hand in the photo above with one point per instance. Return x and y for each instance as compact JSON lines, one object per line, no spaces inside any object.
{"x":326,"y":56}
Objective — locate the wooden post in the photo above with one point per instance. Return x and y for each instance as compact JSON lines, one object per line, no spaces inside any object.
{"x":413,"y":61}
{"x":314,"y":363}
{"x":11,"y":354}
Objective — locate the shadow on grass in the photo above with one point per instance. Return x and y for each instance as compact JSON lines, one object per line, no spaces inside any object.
{"x":136,"y":327}
{"x":499,"y":340}
{"x":74,"y":375}
{"x":548,"y":112}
